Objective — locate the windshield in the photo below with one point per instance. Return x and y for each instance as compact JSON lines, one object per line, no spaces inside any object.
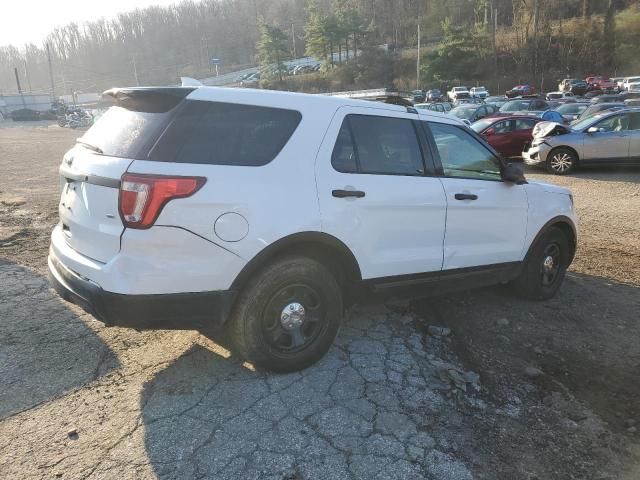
{"x":480,"y":125}
{"x":571,"y":108}
{"x":463,"y":112}
{"x":515,"y":106}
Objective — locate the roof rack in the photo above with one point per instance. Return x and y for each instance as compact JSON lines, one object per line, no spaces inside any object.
{"x":385,"y":95}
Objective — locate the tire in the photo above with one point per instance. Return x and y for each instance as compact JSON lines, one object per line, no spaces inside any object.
{"x":561,"y":161}
{"x":271,"y":325}
{"x":539,"y":279}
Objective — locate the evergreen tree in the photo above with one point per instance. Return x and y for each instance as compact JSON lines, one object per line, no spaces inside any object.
{"x":316,"y":32}
{"x":272,"y":50}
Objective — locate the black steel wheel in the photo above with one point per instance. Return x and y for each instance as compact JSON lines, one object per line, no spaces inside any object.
{"x":287,"y":316}
{"x":545,"y":266}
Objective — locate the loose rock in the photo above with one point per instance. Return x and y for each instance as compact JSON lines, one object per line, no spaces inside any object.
{"x":503,"y":322}
{"x":439,"y":331}
{"x":72,"y":434}
{"x":533,"y":372}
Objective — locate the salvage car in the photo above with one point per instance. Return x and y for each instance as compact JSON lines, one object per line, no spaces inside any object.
{"x":507,"y":135}
{"x":442,"y":107}
{"x":434,"y":95}
{"x":457,"y":93}
{"x":523,"y":105}
{"x":608,"y":138}
{"x":520,"y":91}
{"x":479,"y":92}
{"x":600,"y":107}
{"x":173,"y":215}
{"x":571,"y":111}
{"x":471,"y":113}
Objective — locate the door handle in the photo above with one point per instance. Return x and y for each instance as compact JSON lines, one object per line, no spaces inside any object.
{"x":347,"y":193}
{"x":465,"y":196}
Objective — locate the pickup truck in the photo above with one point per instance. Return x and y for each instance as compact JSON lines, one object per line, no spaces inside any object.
{"x":456,"y":93}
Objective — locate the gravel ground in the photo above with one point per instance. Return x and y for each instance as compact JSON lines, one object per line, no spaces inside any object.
{"x":506,"y":389}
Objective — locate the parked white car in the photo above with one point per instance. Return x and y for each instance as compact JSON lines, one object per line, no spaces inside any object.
{"x":559,"y":95}
{"x":457,"y":93}
{"x":479,"y":92}
{"x":629,"y":80}
{"x":272,"y":212}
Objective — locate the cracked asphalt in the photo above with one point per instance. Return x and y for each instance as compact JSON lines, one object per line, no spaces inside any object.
{"x":177,"y":405}
{"x":390,"y":400}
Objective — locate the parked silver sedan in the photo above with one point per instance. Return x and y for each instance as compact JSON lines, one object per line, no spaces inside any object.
{"x":609,"y":138}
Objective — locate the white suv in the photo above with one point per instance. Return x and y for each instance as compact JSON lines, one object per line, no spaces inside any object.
{"x":273,"y":212}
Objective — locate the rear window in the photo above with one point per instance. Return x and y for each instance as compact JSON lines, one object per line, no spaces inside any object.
{"x":120,"y":132}
{"x":218,"y":133}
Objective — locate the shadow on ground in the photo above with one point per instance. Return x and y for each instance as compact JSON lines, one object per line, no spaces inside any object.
{"x":363,"y":411}
{"x":46,"y":349}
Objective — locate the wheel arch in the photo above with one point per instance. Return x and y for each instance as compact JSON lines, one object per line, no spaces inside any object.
{"x":325,"y":248}
{"x":566,"y":225}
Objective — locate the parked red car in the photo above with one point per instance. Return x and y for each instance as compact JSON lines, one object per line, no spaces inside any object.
{"x":507,"y":135}
{"x":598,"y":82}
{"x":520,"y":90}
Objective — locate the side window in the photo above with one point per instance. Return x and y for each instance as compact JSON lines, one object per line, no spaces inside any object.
{"x":616,"y":123}
{"x":218,"y":133}
{"x":343,"y":158}
{"x":634,"y":121}
{"x":462,"y":155}
{"x":377,"y":145}
{"x":525,"y":123}
{"x":503,"y":127}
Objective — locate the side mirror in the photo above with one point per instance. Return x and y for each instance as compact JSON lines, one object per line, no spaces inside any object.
{"x":489,"y":131}
{"x":513,"y":173}
{"x":593,"y":130}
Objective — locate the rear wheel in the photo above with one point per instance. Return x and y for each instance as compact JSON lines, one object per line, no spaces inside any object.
{"x":288,"y":315}
{"x":545,"y":268}
{"x":561,"y":161}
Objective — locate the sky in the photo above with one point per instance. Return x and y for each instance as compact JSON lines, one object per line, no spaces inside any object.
{"x":26,"y":21}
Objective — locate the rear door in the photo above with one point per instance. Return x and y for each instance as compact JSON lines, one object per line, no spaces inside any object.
{"x":91,"y":171}
{"x":378,"y":194}
{"x":501,"y":139}
{"x":523,"y":132}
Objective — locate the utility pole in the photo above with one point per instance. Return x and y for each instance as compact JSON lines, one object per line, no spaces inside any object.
{"x":26,"y":74}
{"x":135,"y":70}
{"x":53,"y":89}
{"x":418,"y":60}
{"x":293,"y":39}
{"x":15,"y":71}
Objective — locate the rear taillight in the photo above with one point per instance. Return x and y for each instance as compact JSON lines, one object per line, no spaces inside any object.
{"x":142,"y":197}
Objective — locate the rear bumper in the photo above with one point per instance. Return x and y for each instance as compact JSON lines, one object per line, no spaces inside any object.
{"x":179,"y":311}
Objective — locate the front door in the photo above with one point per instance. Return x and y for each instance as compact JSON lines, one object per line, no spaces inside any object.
{"x":486,"y":217}
{"x":377,"y":193}
{"x":610,"y":143}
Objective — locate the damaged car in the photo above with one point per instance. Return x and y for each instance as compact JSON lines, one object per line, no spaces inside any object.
{"x":608,"y":138}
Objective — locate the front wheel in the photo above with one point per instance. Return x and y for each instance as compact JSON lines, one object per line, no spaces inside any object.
{"x":561,"y":161}
{"x":288,"y":315}
{"x":545,"y":268}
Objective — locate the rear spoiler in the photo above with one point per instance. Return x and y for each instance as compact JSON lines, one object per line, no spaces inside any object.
{"x":145,"y":99}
